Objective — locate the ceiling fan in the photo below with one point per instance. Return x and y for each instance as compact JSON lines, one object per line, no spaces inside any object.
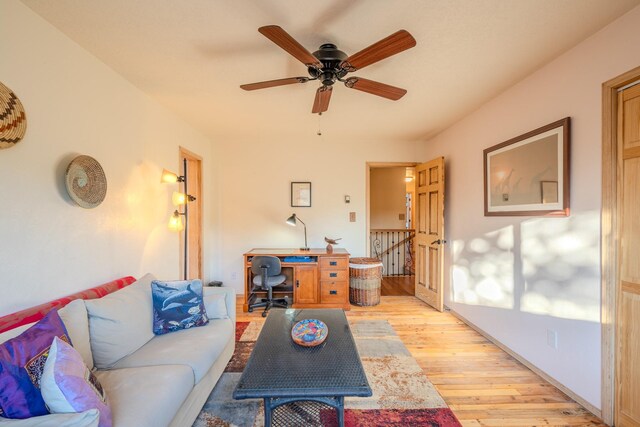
{"x":329,"y":64}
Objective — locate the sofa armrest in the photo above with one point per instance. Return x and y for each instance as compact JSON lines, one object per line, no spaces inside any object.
{"x":229,"y":298}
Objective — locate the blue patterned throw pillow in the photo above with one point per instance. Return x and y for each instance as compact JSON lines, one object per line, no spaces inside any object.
{"x":177,"y":305}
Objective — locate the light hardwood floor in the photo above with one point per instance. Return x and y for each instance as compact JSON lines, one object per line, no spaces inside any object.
{"x":398,"y":286}
{"x":482,"y":384}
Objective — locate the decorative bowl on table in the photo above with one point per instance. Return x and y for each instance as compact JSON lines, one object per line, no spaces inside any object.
{"x":309,"y":332}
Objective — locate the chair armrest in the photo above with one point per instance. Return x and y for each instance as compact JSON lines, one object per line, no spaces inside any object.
{"x":229,"y":298}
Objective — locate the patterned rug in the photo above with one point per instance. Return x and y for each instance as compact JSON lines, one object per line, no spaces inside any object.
{"x":402,"y":394}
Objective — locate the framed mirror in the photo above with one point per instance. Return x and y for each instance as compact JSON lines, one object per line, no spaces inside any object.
{"x":529,"y":174}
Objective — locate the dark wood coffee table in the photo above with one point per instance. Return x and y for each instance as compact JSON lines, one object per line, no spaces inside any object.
{"x":282,"y":372}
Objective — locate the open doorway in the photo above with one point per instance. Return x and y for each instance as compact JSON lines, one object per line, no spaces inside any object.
{"x":390,"y":220}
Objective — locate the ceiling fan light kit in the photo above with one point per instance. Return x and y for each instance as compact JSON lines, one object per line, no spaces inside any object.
{"x":329,"y":64}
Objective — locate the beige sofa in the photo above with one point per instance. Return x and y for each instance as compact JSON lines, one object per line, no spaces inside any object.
{"x":163,"y":382}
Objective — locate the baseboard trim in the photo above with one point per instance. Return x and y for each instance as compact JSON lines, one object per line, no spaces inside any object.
{"x":588,"y":406}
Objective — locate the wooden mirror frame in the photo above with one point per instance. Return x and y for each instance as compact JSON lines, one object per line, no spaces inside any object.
{"x":535,"y":209}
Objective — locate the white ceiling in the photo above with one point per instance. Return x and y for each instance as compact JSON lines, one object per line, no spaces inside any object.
{"x":191,"y":56}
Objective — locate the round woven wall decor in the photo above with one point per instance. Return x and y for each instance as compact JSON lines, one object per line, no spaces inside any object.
{"x":13,"y":120}
{"x":86,"y":182}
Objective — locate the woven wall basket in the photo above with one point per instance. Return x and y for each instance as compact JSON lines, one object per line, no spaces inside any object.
{"x":86,"y":182}
{"x":13,"y":120}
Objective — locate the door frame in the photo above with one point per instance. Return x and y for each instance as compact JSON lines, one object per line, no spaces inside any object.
{"x":194,"y":247}
{"x":369,"y":166}
{"x":609,"y":235}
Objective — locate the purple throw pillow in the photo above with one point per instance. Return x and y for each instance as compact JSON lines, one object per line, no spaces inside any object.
{"x":22,"y":360}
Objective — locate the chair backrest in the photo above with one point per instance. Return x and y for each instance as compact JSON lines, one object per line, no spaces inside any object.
{"x":271,"y":262}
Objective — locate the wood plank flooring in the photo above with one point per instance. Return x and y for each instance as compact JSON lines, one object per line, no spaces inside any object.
{"x":482,"y":384}
{"x":398,"y":286}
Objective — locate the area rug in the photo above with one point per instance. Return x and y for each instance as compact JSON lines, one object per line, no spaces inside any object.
{"x":402,"y":394}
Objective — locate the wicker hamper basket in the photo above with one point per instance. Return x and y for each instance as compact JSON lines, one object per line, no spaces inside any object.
{"x":365,"y":276}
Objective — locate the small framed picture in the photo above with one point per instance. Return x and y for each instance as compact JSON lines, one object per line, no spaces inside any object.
{"x":300,"y":194}
{"x":549,"y":191}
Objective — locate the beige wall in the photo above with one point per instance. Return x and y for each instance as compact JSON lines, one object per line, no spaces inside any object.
{"x":519,"y":277}
{"x":387,"y":190}
{"x":256,"y":176}
{"x":75,"y":104}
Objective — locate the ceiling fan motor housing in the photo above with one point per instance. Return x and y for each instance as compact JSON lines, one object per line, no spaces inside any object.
{"x":331,"y":58}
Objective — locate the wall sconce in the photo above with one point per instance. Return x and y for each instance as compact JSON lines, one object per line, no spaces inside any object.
{"x":169,"y":177}
{"x":175,"y":222}
{"x":180,"y":199}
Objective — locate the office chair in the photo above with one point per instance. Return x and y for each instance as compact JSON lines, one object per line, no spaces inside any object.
{"x":266,"y":270}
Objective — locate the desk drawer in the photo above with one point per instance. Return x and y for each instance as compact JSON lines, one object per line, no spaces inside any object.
{"x":338,"y":263}
{"x":334,"y":275}
{"x":333,"y":291}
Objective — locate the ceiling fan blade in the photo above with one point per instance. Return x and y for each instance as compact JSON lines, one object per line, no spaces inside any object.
{"x":395,"y":43}
{"x":288,"y":43}
{"x":375,"y":88}
{"x":323,"y":96}
{"x":272,"y":83}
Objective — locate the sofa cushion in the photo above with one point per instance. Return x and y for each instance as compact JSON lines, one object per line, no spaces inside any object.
{"x":121,"y":322}
{"x":68,"y":385}
{"x":76,"y":320}
{"x":177,"y":305}
{"x":229,"y":298}
{"x":216,"y":306}
{"x":88,"y":418}
{"x":146,"y":396}
{"x":22,"y":360}
{"x":198,"y":348}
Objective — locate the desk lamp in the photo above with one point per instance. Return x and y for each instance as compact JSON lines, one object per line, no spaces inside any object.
{"x":292,"y":220}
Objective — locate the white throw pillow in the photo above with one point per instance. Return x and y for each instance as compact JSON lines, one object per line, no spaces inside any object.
{"x":68,"y":386}
{"x":215,"y":306}
{"x":88,"y":418}
{"x":121,"y":322}
{"x":76,"y":320}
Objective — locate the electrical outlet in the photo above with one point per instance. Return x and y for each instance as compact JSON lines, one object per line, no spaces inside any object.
{"x":352,"y":217}
{"x":552,"y":339}
{"x":234,"y":275}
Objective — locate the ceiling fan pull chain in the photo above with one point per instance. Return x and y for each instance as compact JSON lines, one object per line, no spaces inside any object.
{"x":319,"y":125}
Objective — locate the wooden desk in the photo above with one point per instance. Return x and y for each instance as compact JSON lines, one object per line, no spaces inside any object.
{"x":322,"y":283}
